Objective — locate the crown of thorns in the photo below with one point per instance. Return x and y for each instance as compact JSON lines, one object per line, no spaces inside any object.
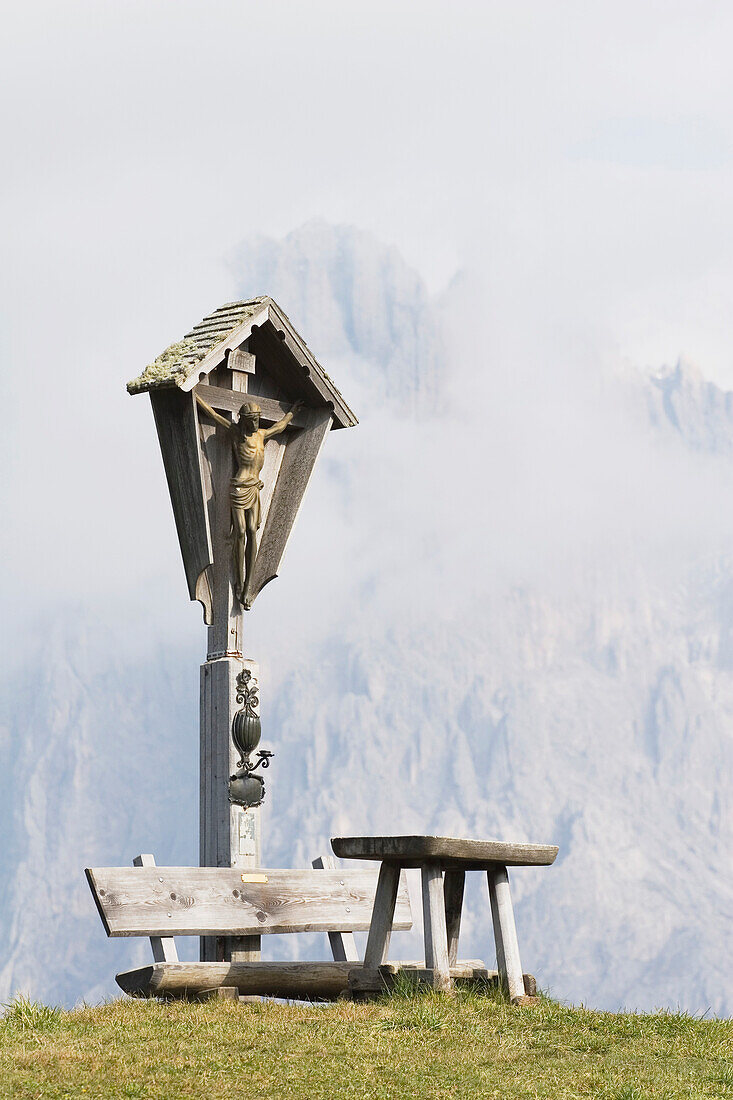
{"x":249,"y":408}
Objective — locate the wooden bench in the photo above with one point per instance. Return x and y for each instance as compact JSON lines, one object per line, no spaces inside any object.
{"x":164,"y":902}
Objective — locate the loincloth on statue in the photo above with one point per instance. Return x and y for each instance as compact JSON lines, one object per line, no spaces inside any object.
{"x":246,"y":495}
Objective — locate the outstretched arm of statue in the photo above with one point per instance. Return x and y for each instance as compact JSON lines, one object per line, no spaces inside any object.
{"x":212,"y":412}
{"x":281,"y":425}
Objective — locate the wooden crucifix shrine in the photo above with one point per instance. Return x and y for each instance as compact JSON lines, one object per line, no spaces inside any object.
{"x":242,"y":409}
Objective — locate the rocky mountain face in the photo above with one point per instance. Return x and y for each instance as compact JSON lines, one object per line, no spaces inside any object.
{"x":682,"y":399}
{"x":590,"y":707}
{"x":357,"y":301}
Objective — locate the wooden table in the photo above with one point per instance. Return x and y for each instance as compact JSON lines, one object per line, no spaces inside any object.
{"x":443,"y":862}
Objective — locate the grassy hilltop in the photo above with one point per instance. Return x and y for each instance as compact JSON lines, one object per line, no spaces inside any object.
{"x":429,"y":1046}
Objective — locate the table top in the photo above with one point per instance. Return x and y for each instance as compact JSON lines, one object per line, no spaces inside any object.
{"x":470,"y":855}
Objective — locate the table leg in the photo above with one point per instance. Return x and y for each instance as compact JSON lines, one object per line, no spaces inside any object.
{"x":380,"y":928}
{"x":436,"y":939}
{"x":453,"y":885}
{"x":505,"y":933}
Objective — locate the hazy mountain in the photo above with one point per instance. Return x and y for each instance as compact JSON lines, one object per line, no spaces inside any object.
{"x":590,"y":704}
{"x":356,"y":300}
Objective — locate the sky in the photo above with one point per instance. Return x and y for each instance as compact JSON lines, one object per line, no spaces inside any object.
{"x":576,"y":158}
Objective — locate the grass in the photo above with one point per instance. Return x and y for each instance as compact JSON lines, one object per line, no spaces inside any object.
{"x":407,"y":1046}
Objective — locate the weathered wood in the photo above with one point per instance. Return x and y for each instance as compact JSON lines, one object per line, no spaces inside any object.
{"x":382,"y":979}
{"x":274,"y":453}
{"x":471,"y":855}
{"x":453,"y":887}
{"x":202,"y":901}
{"x":229,"y":834}
{"x":505,"y":933}
{"x":231,"y":401}
{"x":163,"y":947}
{"x":461,"y":968}
{"x":301,"y":451}
{"x":303,"y":367}
{"x":302,"y":356}
{"x":221,"y":993}
{"x":225,"y":631}
{"x":299,"y":980}
{"x":223,"y":342}
{"x":177,"y":426}
{"x":343,"y":944}
{"x":384,"y":916}
{"x":469,"y":972}
{"x":436,"y":942}
{"x":241,"y":360}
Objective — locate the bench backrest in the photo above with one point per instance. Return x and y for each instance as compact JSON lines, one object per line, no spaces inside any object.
{"x":207,"y":901}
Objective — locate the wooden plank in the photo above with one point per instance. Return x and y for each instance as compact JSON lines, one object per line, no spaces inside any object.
{"x":462,"y":968}
{"x":298,"y":980}
{"x":382,"y":979}
{"x":274,"y":454}
{"x":177,"y":426}
{"x":200,"y":901}
{"x":231,"y":401}
{"x":472,"y":855}
{"x":226,"y":612}
{"x":436,"y":942}
{"x":163,"y":947}
{"x":301,"y":451}
{"x":217,"y":353}
{"x":453,"y":887}
{"x":291,"y":378}
{"x":505,"y":933}
{"x":221,"y":993}
{"x":472,"y":973}
{"x":241,"y":360}
{"x":383,"y":917}
{"x":343,"y":944}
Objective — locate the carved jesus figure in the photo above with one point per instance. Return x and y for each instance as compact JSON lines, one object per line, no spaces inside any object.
{"x":248,"y":441}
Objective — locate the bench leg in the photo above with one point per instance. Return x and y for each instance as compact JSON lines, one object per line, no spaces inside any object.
{"x":436,"y":938}
{"x":380,"y":929}
{"x":453,"y":885}
{"x":505,"y":933}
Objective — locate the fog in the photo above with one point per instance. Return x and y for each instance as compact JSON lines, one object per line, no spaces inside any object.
{"x":573,"y":164}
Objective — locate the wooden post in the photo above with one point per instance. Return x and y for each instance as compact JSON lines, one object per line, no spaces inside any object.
{"x":505,"y":933}
{"x":436,"y":938}
{"x":453,"y":886}
{"x":380,"y":929}
{"x":229,"y":835}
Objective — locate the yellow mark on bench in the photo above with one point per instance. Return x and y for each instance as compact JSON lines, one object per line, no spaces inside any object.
{"x":254,"y":878}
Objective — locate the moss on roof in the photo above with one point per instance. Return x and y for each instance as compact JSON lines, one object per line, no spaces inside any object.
{"x":174,"y":364}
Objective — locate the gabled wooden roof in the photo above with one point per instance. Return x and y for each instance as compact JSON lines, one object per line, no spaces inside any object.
{"x":205,"y":347}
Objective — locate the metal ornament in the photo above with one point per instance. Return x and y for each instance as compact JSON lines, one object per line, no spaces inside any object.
{"x":245,"y":788}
